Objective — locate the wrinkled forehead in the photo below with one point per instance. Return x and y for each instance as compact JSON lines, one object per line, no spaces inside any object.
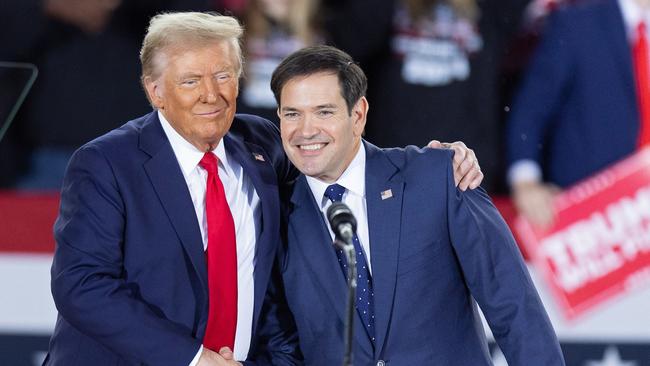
{"x":226,"y":54}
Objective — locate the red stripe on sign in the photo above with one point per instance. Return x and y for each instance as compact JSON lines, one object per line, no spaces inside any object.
{"x":26,"y":220}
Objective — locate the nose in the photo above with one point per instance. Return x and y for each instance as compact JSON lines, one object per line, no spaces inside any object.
{"x":209,"y":91}
{"x":308,"y":127}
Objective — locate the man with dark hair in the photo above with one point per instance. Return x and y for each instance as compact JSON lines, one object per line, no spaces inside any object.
{"x":426,"y":252}
{"x":169,"y":225}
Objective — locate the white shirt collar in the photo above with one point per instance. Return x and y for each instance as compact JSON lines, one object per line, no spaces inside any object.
{"x":353,"y":178}
{"x":188,"y":155}
{"x":632,"y":15}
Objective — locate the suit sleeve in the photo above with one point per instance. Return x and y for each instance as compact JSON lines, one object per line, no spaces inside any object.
{"x":88,"y":276}
{"x":542,"y":93}
{"x":498,"y":279}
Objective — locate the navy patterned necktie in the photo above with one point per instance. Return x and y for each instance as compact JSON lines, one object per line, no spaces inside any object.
{"x":364,"y":296}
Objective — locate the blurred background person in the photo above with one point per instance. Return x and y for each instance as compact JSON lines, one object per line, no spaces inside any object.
{"x":583,"y":103}
{"x":274,"y":29}
{"x":86,"y":53}
{"x":434,"y":67}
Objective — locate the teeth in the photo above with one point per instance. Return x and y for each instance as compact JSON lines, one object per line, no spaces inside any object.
{"x":312,"y":147}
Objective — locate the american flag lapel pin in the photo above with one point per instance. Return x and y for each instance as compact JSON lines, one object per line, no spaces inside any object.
{"x":386,"y":194}
{"x":258,"y":156}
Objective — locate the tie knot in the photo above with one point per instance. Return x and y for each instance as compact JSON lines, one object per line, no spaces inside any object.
{"x":209,"y":162}
{"x":640,"y":28}
{"x":335,"y":192}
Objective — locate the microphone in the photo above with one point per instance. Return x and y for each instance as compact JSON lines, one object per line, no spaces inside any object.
{"x":342,"y":221}
{"x":344,"y":225}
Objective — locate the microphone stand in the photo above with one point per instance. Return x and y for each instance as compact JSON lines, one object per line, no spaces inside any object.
{"x":348,"y":251}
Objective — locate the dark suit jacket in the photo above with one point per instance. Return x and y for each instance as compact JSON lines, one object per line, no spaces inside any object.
{"x":433,"y":250}
{"x":129,"y":273}
{"x":577,"y":110}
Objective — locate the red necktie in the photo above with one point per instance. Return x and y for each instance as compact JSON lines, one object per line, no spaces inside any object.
{"x":641,"y":65}
{"x":222,"y":262}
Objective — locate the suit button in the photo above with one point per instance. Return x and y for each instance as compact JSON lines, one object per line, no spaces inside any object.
{"x":381,"y":363}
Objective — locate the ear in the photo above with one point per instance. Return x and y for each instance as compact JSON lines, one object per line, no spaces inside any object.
{"x":154,"y":92}
{"x":359,"y":114}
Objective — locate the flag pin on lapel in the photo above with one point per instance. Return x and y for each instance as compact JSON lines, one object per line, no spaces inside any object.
{"x":386,"y":194}
{"x":258,"y":156}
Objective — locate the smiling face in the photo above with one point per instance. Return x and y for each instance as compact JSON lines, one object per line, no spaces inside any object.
{"x":318,"y":134}
{"x":197,"y":91}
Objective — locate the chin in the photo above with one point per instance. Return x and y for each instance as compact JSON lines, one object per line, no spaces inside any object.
{"x":213,"y":132}
{"x":311,"y":171}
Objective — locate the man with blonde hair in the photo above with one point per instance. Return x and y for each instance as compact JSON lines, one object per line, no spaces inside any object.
{"x":169,"y":225}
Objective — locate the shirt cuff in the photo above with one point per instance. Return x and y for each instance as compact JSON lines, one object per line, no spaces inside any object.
{"x":195,"y":360}
{"x":524,"y":171}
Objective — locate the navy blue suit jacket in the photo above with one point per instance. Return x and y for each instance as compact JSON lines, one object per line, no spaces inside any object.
{"x":129,"y":273}
{"x":433,"y":250}
{"x":576,"y":111}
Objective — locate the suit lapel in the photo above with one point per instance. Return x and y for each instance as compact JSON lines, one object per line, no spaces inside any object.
{"x":257,"y":166}
{"x":168,"y":182}
{"x":170,"y":186}
{"x":384,"y":193}
{"x":307,"y":226}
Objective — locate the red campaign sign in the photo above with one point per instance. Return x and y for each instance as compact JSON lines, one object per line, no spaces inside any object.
{"x":599,"y":246}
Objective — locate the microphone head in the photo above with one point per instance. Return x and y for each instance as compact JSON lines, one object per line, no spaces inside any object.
{"x":339,"y":213}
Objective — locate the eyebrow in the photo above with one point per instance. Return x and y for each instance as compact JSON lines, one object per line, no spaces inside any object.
{"x":193,"y":74}
{"x":328,"y":105}
{"x":189,"y":75}
{"x":321,"y":106}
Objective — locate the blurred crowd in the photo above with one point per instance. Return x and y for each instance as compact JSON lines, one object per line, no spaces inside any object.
{"x":546,"y":92}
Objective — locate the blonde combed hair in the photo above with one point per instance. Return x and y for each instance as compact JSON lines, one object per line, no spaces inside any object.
{"x":178,"y":29}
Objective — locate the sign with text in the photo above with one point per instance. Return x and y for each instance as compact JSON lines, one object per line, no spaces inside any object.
{"x":599,"y":245}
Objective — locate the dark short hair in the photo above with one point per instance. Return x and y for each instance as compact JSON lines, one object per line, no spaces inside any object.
{"x":317,"y":59}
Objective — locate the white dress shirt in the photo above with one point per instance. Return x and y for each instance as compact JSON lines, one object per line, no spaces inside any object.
{"x":354,"y":180}
{"x":527,"y":170}
{"x":633,"y":14}
{"x":246,"y":211}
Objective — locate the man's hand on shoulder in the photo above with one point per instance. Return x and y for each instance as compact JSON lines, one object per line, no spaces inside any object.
{"x":225,"y":357}
{"x":467,"y":171}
